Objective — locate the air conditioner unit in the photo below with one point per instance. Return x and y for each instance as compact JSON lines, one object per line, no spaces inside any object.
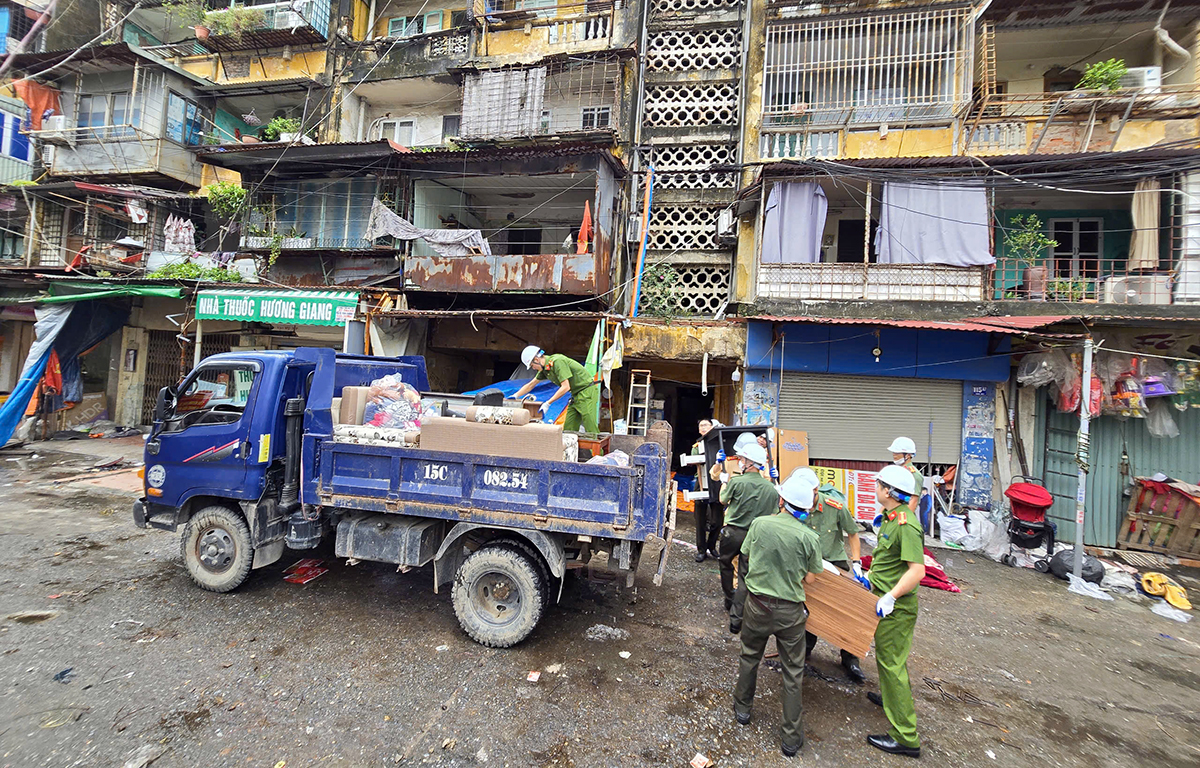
{"x":289,"y":20}
{"x":57,"y":128}
{"x":633,"y":232}
{"x":726,"y":226}
{"x":1138,"y":289}
{"x":1187,"y":288}
{"x":1147,"y":79}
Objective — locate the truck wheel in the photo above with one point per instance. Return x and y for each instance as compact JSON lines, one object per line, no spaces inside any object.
{"x":527,"y":549}
{"x":216,"y":548}
{"x":498,"y":596}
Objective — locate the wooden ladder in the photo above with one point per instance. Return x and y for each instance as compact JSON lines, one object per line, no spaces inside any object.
{"x":637,"y":417}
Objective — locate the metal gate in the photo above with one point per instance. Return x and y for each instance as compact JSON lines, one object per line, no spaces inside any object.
{"x":166,"y":362}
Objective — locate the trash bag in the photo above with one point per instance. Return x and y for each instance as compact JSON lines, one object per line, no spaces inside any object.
{"x":1086,"y":588}
{"x":1170,"y":612}
{"x":1063,"y":564}
{"x":1160,"y":422}
{"x":1042,"y":368}
{"x":954,"y":528}
{"x":393,"y":404}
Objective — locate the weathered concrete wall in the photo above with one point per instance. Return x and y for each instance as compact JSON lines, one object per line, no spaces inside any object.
{"x":272,"y":66}
{"x":686,"y":341}
{"x":74,"y":25}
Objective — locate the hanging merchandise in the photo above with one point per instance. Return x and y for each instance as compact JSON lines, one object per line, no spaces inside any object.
{"x":1127,"y":396}
{"x":1160,"y":422}
{"x":1158,"y":378}
{"x":137,"y":212}
{"x":1187,"y":391}
{"x":1042,"y":368}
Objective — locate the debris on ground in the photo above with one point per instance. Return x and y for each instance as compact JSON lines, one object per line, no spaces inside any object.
{"x":624,"y":654}
{"x":554,"y":669}
{"x":700,"y":761}
{"x":304,"y":571}
{"x":1086,"y":588}
{"x":1161,"y":585}
{"x":65,"y":676}
{"x":533,"y":676}
{"x":1170,"y":612}
{"x":31,"y":617}
{"x":602,"y":632}
{"x":481,"y":755}
{"x":145,"y":754}
{"x":449,"y":743}
{"x":441,"y":648}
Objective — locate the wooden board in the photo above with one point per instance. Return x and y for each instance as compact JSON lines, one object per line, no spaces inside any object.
{"x":793,"y":451}
{"x":841,"y":612}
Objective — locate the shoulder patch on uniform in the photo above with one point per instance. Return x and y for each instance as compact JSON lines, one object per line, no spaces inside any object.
{"x":903,"y":518}
{"x":834,"y":503}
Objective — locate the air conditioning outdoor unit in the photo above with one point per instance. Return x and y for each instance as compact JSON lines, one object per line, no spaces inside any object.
{"x":57,"y":128}
{"x":1187,"y":288}
{"x":726,"y":226}
{"x":1147,"y":79}
{"x":633,"y":232}
{"x":1138,"y":289}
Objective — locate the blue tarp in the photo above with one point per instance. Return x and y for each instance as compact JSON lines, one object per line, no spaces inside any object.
{"x":542,"y":391}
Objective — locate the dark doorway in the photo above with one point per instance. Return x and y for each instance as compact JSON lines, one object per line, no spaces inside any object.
{"x":850,"y":241}
{"x":524,"y":242}
{"x":690,"y":407}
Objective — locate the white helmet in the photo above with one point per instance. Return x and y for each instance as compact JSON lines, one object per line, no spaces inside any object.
{"x":899,"y":478}
{"x":799,"y":490}
{"x":532,"y":351}
{"x":744,"y":439}
{"x":903,"y":445}
{"x":808,"y":475}
{"x":753,"y":452}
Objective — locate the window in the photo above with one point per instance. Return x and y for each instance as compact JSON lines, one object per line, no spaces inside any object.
{"x":404,"y":26}
{"x":524,"y":241}
{"x":109,"y":111}
{"x":544,"y":124}
{"x":595,"y":118}
{"x":12,"y":245}
{"x":399,"y":131}
{"x":451,"y":127}
{"x":458,"y":19}
{"x":332,"y":214}
{"x":212,"y":395}
{"x":882,"y":67}
{"x":185,"y":120}
{"x":14,"y":144}
{"x":1080,"y":247}
{"x":433,"y":21}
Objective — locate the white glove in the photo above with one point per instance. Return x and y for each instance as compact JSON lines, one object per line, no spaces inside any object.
{"x":885,"y":606}
{"x":543,"y":410}
{"x":724,"y":477}
{"x":859,"y":576}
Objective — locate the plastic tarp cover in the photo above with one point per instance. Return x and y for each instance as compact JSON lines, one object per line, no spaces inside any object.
{"x":50,"y":322}
{"x":542,"y":392}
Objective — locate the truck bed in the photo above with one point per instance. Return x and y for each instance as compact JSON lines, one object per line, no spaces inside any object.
{"x":551,"y":496}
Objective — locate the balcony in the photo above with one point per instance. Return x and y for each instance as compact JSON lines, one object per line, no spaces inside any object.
{"x":1075,"y":121}
{"x":872,"y":282}
{"x":568,"y":273}
{"x":432,"y":53}
{"x":266,"y":25}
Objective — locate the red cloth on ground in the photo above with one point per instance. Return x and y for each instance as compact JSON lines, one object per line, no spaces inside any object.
{"x":935,"y":575}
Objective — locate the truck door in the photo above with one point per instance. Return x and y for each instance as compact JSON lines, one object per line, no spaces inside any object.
{"x":200,"y":445}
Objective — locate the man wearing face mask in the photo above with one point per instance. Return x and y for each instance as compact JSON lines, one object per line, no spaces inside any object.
{"x":708,"y":513}
{"x":746,"y":496}
{"x":903,"y":451}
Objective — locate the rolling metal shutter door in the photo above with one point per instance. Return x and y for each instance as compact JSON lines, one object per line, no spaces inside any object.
{"x":856,"y":417}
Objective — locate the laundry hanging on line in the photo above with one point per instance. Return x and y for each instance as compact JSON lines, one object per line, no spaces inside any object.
{"x":446,"y":242}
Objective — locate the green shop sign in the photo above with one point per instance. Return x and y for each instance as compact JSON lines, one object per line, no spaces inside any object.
{"x":279,"y":307}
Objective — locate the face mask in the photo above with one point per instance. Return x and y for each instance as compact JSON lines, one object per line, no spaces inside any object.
{"x":899,"y":462}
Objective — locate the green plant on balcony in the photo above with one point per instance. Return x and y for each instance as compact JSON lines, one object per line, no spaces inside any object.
{"x":226,"y":198}
{"x":1026,"y":243}
{"x":1103,"y":76}
{"x":1069,"y":288}
{"x":235,"y":21}
{"x":187,"y":12}
{"x":278,"y":126}
{"x":190,"y":270}
{"x":660,"y":292}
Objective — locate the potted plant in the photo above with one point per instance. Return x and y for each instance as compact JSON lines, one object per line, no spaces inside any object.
{"x":281,"y":129}
{"x":226,"y":198}
{"x":1069,"y":288}
{"x":193,"y":13}
{"x":235,"y":21}
{"x":1026,"y":243}
{"x":1103,"y":76}
{"x":295,"y":238}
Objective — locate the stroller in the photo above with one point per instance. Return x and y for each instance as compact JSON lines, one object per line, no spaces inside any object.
{"x":1028,"y":526}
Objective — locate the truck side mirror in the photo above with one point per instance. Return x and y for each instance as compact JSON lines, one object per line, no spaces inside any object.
{"x":160,"y":404}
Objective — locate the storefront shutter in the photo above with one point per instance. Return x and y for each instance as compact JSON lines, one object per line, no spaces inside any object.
{"x":855,"y":417}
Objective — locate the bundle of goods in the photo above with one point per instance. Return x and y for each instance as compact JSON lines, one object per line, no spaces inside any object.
{"x":393,"y":404}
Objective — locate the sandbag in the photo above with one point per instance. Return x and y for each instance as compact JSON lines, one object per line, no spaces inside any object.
{"x":1064,"y":563}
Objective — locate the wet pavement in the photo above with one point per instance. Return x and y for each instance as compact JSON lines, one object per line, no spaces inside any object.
{"x":368,"y":667}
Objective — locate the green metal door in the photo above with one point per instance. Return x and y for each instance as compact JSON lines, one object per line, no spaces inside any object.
{"x":1108,"y":481}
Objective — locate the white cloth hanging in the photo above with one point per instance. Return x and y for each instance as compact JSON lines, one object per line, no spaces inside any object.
{"x":795,"y":223}
{"x":934,"y":224}
{"x":446,"y":242}
{"x":1143,"y":244}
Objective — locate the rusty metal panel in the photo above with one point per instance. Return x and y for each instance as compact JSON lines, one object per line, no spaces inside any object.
{"x":436,"y":273}
{"x":526,"y":273}
{"x":579,"y":274}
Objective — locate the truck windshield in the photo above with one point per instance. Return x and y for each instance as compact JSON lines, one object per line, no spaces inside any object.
{"x":213,"y":395}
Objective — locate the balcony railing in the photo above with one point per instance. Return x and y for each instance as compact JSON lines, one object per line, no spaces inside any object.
{"x":285,"y":23}
{"x":1019,"y":123}
{"x":779,"y":144}
{"x":873,"y":282}
{"x":428,"y":53}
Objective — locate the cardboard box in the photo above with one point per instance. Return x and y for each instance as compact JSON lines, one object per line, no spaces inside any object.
{"x":841,"y":612}
{"x":92,"y":408}
{"x":354,"y":404}
{"x":532,"y":441}
{"x":792,"y":445}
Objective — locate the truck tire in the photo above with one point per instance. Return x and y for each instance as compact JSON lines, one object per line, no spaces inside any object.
{"x":216,"y":549}
{"x":498,"y":596}
{"x":530,"y":551}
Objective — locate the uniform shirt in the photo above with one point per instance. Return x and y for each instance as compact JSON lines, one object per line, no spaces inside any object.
{"x":562,"y":368}
{"x":830,"y":519}
{"x":917,"y":476}
{"x":780,"y":550}
{"x":901,"y":541}
{"x":748,"y":496}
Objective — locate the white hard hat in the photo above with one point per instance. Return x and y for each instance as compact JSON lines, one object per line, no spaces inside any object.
{"x":899,"y":478}
{"x":744,"y":439}
{"x":903,"y":445}
{"x":532,"y":351}
{"x":799,"y":490}
{"x":753,"y":452}
{"x":808,"y":475}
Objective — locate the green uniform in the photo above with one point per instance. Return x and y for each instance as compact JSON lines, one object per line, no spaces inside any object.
{"x":920,"y":479}
{"x":830,"y":518}
{"x":780,"y":551}
{"x":585,"y":394}
{"x":901,"y":541}
{"x":746,"y":497}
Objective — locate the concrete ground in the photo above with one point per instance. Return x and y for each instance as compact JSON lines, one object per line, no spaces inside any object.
{"x":367,"y":667}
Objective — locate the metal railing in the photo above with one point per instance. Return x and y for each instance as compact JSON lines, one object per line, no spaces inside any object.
{"x":872,"y":282}
{"x":779,"y":144}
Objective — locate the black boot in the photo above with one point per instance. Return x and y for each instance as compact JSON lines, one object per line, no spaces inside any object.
{"x":790,"y":750}
{"x":888,"y":744}
{"x":875,"y":698}
{"x":699,"y":556}
{"x":853,"y":671}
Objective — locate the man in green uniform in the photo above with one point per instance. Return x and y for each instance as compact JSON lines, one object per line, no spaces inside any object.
{"x":571,"y":377}
{"x":746,"y":496}
{"x":780,"y":554}
{"x":897,"y":567}
{"x":831,"y":518}
{"x":903,"y":450}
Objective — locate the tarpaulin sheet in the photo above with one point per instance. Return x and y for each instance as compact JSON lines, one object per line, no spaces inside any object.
{"x":541,"y":393}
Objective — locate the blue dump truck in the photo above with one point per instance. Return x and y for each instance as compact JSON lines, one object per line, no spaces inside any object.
{"x":245,"y":459}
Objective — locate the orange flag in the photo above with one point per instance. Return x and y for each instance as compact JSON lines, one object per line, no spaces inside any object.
{"x":585,"y":229}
